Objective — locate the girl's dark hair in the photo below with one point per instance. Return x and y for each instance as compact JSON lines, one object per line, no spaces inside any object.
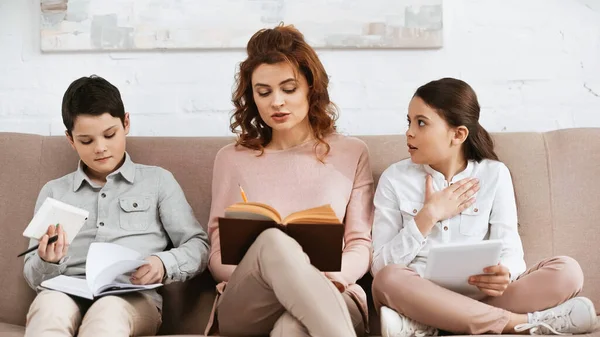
{"x":456,"y":102}
{"x":272,"y":46}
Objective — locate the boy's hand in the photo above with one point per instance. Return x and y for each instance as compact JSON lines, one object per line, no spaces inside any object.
{"x":150,"y":273}
{"x":494,"y":283}
{"x":55,"y":251}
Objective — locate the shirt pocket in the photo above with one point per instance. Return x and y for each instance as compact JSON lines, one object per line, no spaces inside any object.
{"x":135,"y":213}
{"x":475,"y":220}
{"x":409,"y":209}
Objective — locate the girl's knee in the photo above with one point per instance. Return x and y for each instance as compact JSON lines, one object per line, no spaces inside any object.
{"x":392,"y":277}
{"x":571,"y":274}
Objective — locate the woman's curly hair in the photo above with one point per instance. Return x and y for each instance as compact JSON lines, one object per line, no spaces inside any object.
{"x":272,"y":46}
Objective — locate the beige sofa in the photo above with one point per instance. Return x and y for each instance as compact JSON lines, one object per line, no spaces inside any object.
{"x":556,"y":177}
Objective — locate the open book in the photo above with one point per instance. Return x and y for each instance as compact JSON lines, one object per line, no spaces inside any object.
{"x":53,"y":212}
{"x":106,"y":263}
{"x":317,"y":230}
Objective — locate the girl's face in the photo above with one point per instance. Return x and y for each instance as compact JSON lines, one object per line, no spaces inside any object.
{"x":429,"y":138}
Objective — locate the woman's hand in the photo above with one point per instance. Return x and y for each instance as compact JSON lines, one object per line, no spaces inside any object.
{"x":337,"y":280}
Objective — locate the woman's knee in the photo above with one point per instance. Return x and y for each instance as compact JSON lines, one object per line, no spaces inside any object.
{"x":276,"y":243}
{"x":288,"y":325}
{"x":271,"y":236}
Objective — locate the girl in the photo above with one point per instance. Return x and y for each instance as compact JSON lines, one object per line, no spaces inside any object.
{"x":289,"y":156}
{"x":453,"y":189}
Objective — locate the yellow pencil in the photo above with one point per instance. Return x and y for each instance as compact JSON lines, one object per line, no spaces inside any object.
{"x":243,"y":193}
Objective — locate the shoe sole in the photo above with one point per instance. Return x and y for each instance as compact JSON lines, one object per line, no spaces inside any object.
{"x":592,"y":311}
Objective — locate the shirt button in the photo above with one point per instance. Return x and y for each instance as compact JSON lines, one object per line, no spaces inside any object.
{"x":103,"y":195}
{"x":445,"y":228}
{"x":476,"y":210}
{"x":101,"y":224}
{"x":415,"y":211}
{"x":134,"y":204}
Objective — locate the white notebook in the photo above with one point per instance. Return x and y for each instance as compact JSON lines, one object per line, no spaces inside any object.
{"x":451,"y":265}
{"x":53,"y":212}
{"x":105,"y":263}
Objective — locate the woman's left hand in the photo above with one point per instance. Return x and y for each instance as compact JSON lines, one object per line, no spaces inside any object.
{"x":494,"y":283}
{"x":337,"y":280}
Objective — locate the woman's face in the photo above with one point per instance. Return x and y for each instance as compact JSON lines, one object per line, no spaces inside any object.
{"x":281,"y":96}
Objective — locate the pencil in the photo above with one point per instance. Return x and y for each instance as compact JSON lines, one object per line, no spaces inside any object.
{"x":243,"y":193}
{"x":50,"y":240}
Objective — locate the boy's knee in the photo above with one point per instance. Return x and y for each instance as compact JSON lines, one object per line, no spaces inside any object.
{"x":124,"y":307}
{"x":113,"y":306}
{"x":53,"y":310}
{"x":53,"y":303}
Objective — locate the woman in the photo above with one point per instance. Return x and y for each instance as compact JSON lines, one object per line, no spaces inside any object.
{"x":288,"y":155}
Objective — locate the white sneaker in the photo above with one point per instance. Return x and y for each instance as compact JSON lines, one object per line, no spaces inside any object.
{"x":395,"y":325}
{"x":575,"y":316}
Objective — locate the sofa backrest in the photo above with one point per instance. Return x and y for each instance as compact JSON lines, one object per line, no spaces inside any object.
{"x":556,"y":177}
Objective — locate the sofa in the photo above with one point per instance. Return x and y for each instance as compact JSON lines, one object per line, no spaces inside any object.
{"x":556,"y":177}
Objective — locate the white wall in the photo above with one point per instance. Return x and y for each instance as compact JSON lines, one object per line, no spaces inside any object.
{"x":535,"y":65}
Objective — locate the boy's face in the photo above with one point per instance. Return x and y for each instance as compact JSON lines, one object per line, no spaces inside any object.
{"x":100,"y":143}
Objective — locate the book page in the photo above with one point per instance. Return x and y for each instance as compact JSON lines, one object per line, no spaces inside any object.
{"x":119,"y":288}
{"x":54,"y":212}
{"x":260,"y":211}
{"x":69,"y":285}
{"x":106,"y":261}
{"x":317,"y":215}
{"x":110,"y":273}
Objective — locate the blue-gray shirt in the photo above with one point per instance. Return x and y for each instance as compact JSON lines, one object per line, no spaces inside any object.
{"x":140,"y":207}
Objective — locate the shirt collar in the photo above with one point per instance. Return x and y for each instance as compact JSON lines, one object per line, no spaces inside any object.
{"x":439,"y":176}
{"x":127,"y":171}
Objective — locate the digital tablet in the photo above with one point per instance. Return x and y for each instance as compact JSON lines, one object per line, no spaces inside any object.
{"x":451,"y":265}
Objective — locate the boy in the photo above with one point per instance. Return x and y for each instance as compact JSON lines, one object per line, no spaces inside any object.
{"x":137,"y":206}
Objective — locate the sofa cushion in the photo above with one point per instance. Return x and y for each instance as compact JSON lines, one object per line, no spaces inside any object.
{"x":556,"y":178}
{"x":574,"y":162}
{"x":19,"y":186}
{"x":10,"y":330}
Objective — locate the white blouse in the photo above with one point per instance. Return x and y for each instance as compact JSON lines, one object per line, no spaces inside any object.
{"x":400,"y":195}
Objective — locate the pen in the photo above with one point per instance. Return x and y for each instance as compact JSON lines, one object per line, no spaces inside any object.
{"x":51,"y":240}
{"x":243,"y":193}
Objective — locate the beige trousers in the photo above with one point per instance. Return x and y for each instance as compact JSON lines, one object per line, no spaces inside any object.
{"x":54,"y":314}
{"x":275,"y":290}
{"x":545,"y":285}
